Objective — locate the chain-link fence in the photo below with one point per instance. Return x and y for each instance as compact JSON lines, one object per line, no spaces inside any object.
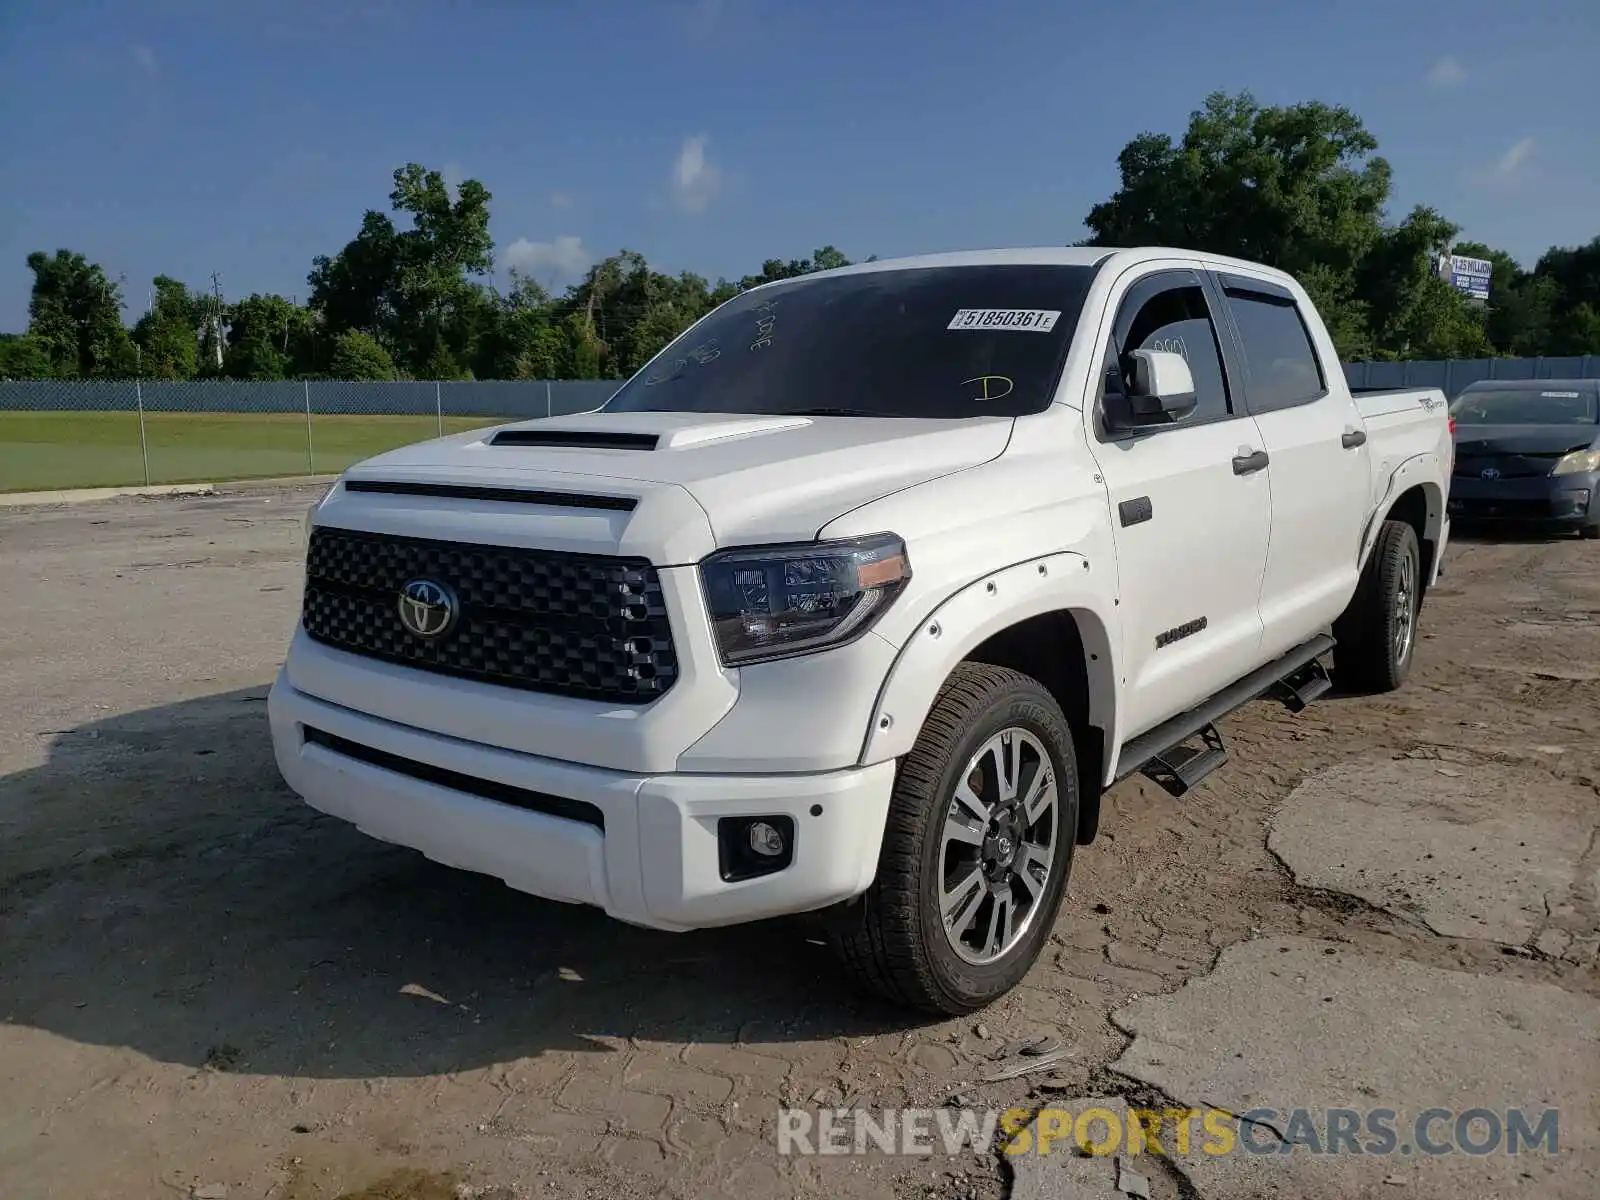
{"x":57,"y":434}
{"x":1452,"y":375}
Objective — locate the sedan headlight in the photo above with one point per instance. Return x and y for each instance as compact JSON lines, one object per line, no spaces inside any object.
{"x":780,"y":601}
{"x":1578,"y":462}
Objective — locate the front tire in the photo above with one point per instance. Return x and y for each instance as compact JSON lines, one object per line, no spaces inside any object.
{"x":1589,"y":532}
{"x":1376,"y":637}
{"x":976,"y":851}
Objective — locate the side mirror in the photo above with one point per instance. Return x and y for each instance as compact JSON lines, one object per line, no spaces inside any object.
{"x":1163,"y":391}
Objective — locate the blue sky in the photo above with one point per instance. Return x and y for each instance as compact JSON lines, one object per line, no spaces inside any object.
{"x":188,"y":137}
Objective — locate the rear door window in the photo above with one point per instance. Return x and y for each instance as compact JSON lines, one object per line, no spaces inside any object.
{"x":1281,"y":362}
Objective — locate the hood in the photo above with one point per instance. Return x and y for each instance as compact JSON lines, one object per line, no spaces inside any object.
{"x":670,"y":486}
{"x":1524,"y":439}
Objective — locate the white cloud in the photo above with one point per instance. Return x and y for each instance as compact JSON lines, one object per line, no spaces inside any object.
{"x":146,"y":58}
{"x":1512,"y":160}
{"x":560,"y":201}
{"x":696,"y":180}
{"x":1447,"y":73}
{"x":560,"y":261}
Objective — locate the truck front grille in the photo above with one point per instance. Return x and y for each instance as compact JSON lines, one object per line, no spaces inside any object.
{"x":588,"y":626}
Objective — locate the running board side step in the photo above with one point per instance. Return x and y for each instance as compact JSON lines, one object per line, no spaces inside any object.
{"x":1161,"y":753}
{"x":1179,"y":768}
{"x":1305,"y":685}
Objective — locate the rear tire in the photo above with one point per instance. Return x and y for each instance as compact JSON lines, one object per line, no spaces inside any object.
{"x":997,"y":869}
{"x":1376,"y":637}
{"x":1589,"y":532}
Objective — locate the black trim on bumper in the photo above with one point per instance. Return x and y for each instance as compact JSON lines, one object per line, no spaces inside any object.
{"x":1544,"y":500}
{"x":485,"y":789}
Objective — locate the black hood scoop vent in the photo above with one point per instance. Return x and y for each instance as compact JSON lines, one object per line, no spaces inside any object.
{"x":575,"y":439}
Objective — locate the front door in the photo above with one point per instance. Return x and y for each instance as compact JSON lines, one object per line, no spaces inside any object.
{"x":1190,"y":511}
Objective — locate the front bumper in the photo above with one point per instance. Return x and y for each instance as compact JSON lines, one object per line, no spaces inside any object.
{"x":1568,"y":500}
{"x":644,"y":848}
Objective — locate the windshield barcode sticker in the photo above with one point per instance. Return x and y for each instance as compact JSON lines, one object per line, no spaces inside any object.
{"x":1031,"y":320}
{"x":1560,"y":395}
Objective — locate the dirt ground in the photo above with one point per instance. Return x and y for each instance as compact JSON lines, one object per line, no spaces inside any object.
{"x":210,"y":990}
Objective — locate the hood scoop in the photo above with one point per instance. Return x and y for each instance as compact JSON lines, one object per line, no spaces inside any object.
{"x":575,"y":439}
{"x":649,"y":431}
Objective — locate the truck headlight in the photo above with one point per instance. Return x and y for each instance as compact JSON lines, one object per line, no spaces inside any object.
{"x":312,"y":511}
{"x":779,"y":601}
{"x":1578,"y":462}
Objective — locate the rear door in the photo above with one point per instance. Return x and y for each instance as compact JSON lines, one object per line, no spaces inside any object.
{"x":1319,"y":471}
{"x":1190,"y":510}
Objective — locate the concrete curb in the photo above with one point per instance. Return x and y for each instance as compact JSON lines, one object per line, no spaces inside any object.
{"x":85,"y":495}
{"x":275,"y":484}
{"x":82,"y":495}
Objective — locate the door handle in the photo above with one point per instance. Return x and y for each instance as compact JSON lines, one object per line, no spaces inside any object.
{"x":1248,"y":464}
{"x":1351,"y":438}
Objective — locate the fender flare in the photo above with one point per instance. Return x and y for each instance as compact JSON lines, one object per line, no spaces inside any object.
{"x":1419,"y":470}
{"x":967,"y":618}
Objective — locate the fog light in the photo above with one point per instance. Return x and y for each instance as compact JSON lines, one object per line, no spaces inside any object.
{"x":765,"y":840}
{"x":749,"y":847}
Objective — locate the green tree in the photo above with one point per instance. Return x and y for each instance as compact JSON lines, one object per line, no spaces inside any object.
{"x":774,"y":269}
{"x":1301,"y":188}
{"x":357,"y":355}
{"x":1576,"y":331}
{"x":1293,"y":187}
{"x":23,"y":356}
{"x":579,"y":357}
{"x":1414,"y":313}
{"x":519,"y":340}
{"x":168,"y":336}
{"x":1573,"y":285}
{"x":413,"y":289}
{"x":269,"y":337}
{"x":358,"y":287}
{"x":75,"y":314}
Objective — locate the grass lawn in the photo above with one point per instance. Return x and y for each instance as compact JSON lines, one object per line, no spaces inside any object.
{"x":40,"y":451}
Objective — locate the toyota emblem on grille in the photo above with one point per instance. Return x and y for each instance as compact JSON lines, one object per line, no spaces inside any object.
{"x":427,"y":609}
{"x":1490,"y":473}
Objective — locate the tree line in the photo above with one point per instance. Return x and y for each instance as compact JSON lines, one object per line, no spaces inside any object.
{"x":1300,"y":187}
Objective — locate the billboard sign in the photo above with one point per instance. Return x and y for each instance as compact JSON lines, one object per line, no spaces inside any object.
{"x":1468,"y":275}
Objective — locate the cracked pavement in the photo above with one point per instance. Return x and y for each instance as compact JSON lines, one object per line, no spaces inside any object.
{"x":207,"y":986}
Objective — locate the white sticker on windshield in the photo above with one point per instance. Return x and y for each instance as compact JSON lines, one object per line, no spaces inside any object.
{"x":1031,"y":320}
{"x":1560,"y":395}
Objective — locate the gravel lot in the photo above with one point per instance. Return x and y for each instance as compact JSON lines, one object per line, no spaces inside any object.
{"x":209,"y":990}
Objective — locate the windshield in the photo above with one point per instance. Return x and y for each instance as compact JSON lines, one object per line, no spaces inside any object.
{"x":1524,"y":406}
{"x":926,"y":342}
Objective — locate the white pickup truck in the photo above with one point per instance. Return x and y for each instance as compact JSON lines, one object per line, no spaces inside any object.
{"x":859,"y":595}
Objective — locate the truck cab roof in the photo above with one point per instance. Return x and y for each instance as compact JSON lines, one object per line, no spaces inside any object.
{"x":1066,"y":256}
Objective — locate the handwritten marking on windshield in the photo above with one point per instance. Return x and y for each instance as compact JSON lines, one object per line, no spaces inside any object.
{"x":764,"y":325}
{"x":704,"y":353}
{"x":992,"y":387}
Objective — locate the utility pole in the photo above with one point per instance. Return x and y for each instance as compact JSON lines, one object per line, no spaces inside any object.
{"x":216,"y":318}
